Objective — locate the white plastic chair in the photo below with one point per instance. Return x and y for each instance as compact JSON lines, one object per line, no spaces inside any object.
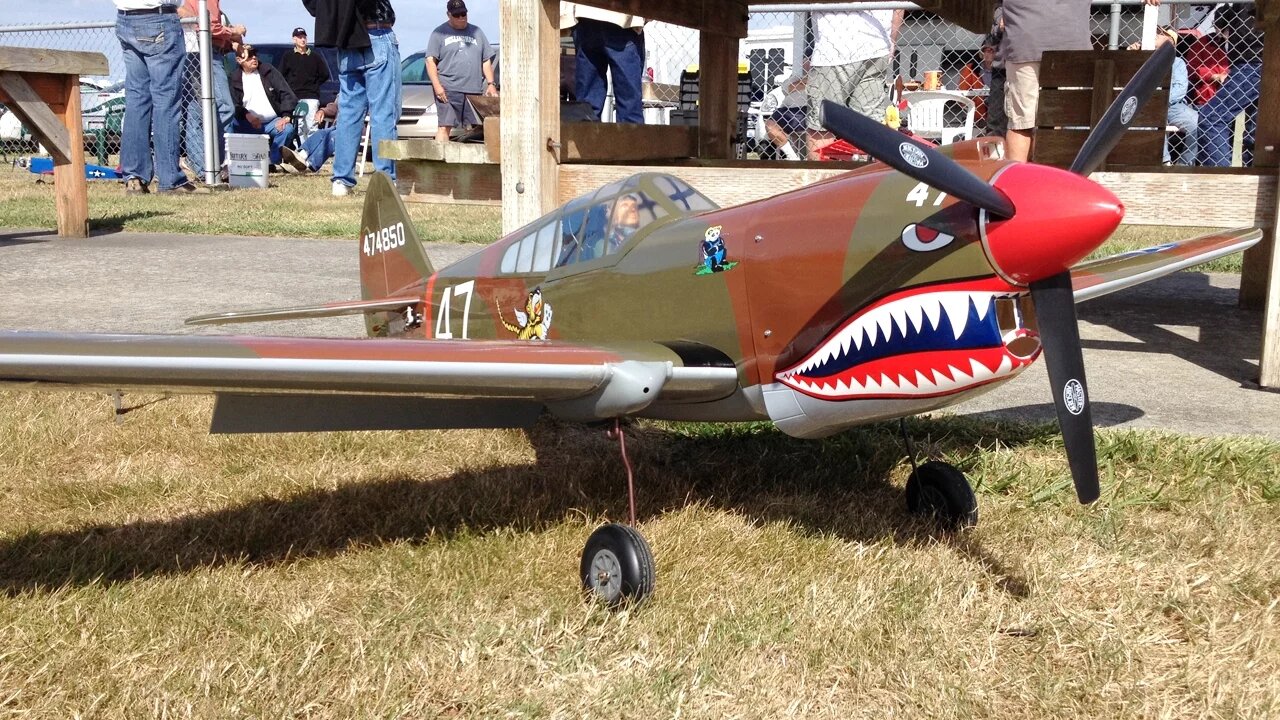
{"x":928,"y":119}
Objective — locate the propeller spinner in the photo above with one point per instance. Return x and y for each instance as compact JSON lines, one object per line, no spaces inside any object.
{"x":1044,"y":220}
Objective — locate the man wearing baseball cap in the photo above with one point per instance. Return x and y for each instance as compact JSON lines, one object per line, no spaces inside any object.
{"x":305,"y":71}
{"x":459,"y":63}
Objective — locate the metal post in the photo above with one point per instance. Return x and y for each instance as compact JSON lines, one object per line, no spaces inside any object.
{"x":1113,"y":38}
{"x":207,"y":110}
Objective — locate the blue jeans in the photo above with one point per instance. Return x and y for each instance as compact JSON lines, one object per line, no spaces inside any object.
{"x":153,"y":50}
{"x":279,"y":137}
{"x":603,"y":46}
{"x":368,"y":80}
{"x":319,"y":147}
{"x":1184,"y":117}
{"x":194,"y":119}
{"x":1238,"y":94}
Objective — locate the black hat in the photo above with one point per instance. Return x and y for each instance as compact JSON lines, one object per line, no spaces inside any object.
{"x":299,"y":32}
{"x":456,"y":7}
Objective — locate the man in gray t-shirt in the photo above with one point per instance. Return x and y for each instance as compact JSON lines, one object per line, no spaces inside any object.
{"x":459,"y":63}
{"x":1030,"y":28}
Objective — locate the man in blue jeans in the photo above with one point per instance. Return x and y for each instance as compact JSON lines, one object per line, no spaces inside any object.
{"x":1238,"y":94}
{"x":151,"y":40}
{"x":368,"y":79}
{"x":607,"y":42}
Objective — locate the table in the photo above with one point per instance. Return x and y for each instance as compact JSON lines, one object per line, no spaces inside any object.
{"x":42,"y":87}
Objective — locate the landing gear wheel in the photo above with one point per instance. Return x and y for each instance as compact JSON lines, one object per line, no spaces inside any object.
{"x":941,"y":491}
{"x":617,"y":565}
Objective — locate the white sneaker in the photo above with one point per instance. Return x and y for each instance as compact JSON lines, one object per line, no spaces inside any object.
{"x":340,"y":189}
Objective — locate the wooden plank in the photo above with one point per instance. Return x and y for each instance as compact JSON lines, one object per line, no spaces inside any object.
{"x":1075,"y":68}
{"x":610,"y":142}
{"x":1063,"y":108}
{"x":57,"y":62}
{"x":1267,"y":149}
{"x":1269,"y":375}
{"x":1140,"y":148}
{"x":36,"y":115}
{"x":435,"y":182}
{"x":530,"y":131}
{"x":429,"y":149}
{"x":1255,"y":275}
{"x":71,"y":189}
{"x":717,"y":94}
{"x":724,"y":17}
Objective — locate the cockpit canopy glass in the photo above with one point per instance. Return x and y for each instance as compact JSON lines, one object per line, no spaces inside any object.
{"x":602,"y":222}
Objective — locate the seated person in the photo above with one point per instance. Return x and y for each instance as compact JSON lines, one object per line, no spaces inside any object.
{"x":318,"y":147}
{"x":263,"y":100}
{"x":624,"y":222}
{"x":1182,"y":114}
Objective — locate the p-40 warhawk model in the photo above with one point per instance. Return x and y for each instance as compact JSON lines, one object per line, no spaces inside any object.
{"x":899,"y":288}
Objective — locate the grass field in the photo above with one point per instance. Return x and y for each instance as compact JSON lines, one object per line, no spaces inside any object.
{"x":300,"y":206}
{"x":151,"y":570}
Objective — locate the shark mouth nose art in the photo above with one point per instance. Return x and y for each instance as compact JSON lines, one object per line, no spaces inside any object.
{"x":920,"y":343}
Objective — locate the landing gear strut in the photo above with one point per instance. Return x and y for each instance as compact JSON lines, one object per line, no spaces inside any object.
{"x":939,"y":490}
{"x":617,"y":565}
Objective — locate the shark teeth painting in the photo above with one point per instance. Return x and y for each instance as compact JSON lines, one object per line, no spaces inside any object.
{"x":922,"y":342}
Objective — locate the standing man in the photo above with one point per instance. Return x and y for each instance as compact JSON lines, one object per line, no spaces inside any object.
{"x":264,"y":102}
{"x":852,"y":65}
{"x":1240,"y":89}
{"x":368,"y":79}
{"x":459,"y":63}
{"x":607,"y":43}
{"x":993,"y":61}
{"x":151,"y":41}
{"x":305,"y":71}
{"x":1032,"y":27}
{"x":221,"y":38}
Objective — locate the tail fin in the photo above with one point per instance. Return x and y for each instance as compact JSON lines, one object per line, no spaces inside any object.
{"x":392,"y":260}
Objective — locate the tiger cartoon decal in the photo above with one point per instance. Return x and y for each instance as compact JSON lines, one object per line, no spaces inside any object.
{"x":534,"y":321}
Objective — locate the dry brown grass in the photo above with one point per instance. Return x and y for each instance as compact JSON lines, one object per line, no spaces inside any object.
{"x":151,"y":570}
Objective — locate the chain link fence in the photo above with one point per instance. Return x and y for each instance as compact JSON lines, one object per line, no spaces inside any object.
{"x":931,"y":52}
{"x":102,"y":98}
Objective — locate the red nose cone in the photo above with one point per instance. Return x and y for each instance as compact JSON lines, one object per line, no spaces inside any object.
{"x":1061,"y":217}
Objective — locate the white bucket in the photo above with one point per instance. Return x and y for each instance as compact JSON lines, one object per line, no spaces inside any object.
{"x":248,"y":160}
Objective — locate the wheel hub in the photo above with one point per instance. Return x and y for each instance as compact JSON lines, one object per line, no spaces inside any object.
{"x":606,"y":571}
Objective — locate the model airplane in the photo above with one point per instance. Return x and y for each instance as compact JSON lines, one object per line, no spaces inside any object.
{"x":896,"y":289}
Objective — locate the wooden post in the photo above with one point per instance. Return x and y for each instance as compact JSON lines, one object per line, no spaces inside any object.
{"x":71,"y":189}
{"x":530,"y":109}
{"x":1269,"y":367}
{"x":717,"y":94}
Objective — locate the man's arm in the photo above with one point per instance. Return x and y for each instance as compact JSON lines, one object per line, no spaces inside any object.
{"x":434,"y":75}
{"x":486,"y":69}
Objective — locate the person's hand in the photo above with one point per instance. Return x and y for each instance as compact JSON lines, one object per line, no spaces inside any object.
{"x":238,"y":30}
{"x":254,"y":120}
{"x":491,"y":91}
{"x":1218,"y":78}
{"x":281,"y":124}
{"x":1153,"y":3}
{"x":319,"y":118}
{"x":441,"y":95}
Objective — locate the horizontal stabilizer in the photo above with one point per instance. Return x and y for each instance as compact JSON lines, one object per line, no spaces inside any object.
{"x":352,"y":307}
{"x":1096,"y":278}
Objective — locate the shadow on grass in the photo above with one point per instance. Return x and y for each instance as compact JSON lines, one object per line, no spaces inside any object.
{"x":837,"y":486}
{"x":117,"y":223}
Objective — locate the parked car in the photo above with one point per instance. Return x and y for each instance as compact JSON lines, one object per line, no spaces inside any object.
{"x":418,"y":103}
{"x":272,"y":52}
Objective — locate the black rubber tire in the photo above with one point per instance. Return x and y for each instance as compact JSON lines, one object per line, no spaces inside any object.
{"x":617,"y":566}
{"x":939,"y":490}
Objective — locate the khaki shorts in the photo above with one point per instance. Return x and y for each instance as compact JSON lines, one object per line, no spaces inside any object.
{"x":861,"y":86}
{"x":1021,"y":94}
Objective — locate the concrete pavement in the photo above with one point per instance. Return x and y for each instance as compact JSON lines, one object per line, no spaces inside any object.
{"x":1174,"y":354}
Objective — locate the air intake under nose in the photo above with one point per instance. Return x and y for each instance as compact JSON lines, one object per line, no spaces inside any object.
{"x":1061,"y":218}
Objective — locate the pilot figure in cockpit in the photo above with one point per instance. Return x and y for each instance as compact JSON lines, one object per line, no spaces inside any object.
{"x":623,"y":222}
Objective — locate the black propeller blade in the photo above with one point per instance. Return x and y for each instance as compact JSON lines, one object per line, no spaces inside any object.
{"x":1123,"y":109}
{"x":1060,"y":338}
{"x":913,"y":159}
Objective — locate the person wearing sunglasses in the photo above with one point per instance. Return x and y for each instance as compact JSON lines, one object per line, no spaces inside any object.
{"x":459,"y":63}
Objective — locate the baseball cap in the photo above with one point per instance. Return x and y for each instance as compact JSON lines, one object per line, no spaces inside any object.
{"x":456,"y":7}
{"x":299,"y":32}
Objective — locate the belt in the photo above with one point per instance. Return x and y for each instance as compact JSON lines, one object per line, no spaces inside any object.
{"x":377,"y":26}
{"x":162,"y":10}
